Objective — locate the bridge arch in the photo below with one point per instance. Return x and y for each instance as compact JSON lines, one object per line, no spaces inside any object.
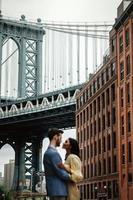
{"x":14,"y":109}
{"x":9,"y":67}
{"x":8,"y":151}
{"x":16,"y":40}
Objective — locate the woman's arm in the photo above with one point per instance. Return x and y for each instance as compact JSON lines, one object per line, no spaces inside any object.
{"x":76,"y":168}
{"x":65,"y":167}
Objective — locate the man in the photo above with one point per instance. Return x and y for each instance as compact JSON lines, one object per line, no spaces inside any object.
{"x":56,"y":178}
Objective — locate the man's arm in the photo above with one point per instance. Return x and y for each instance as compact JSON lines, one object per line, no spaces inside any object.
{"x":55,"y":160}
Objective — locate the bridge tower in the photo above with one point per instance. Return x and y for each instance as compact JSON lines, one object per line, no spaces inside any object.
{"x":28,"y":38}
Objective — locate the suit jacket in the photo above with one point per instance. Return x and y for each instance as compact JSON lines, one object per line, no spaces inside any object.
{"x":56,"y":178}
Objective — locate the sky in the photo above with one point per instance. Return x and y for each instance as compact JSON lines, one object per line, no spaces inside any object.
{"x":57,"y":10}
{"x":62,"y":10}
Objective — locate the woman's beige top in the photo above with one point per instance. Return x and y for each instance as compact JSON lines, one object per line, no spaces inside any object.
{"x":73,"y":164}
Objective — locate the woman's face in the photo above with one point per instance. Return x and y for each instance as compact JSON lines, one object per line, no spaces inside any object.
{"x":66,"y":145}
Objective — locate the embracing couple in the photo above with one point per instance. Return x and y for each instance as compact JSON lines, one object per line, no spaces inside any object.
{"x":61,"y":178}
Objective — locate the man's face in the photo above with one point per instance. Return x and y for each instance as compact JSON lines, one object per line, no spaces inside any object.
{"x":58,"y":139}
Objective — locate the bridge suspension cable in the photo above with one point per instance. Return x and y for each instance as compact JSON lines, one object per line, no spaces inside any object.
{"x":9,"y":56}
{"x":73,"y":51}
{"x":78,"y":33}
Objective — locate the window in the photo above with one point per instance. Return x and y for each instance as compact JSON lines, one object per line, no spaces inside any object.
{"x":102,"y":77}
{"x":127,"y":37}
{"x":90,"y":90}
{"x":122,"y":125}
{"x":91,"y":169}
{"x":95,"y":169}
{"x":114,"y":163}
{"x":84,"y":97}
{"x":88,"y":192}
{"x":84,"y":116}
{"x":113,"y":92}
{"x":95,"y":191}
{"x":107,"y":74}
{"x":127,"y":65}
{"x":109,"y":190}
{"x":95,"y":130}
{"x":103,"y":122}
{"x":77,"y":104}
{"x":88,"y":151}
{"x":98,"y":82}
{"x":87,"y":113}
{"x":98,"y":104}
{"x":99,"y":168}
{"x":103,"y":100}
{"x":112,"y":45}
{"x":94,"y":107}
{"x":84,"y":171}
{"x":91,"y":191}
{"x":107,"y":97}
{"x":108,"y":118}
{"x":128,"y":121}
{"x":113,"y":116}
{"x":81,"y":136}
{"x":129,"y":152}
{"x":88,"y":171}
{"x":78,"y":121}
{"x":104,"y":166}
{"x":81,"y":100}
{"x":80,"y":118}
{"x":95,"y":148}
{"x":121,"y":44}
{"x":86,"y":94}
{"x":130,"y":178}
{"x":115,"y":189}
{"x":99,"y":146}
{"x":90,"y":110}
{"x":91,"y":150}
{"x":85,"y":192}
{"x":108,"y":142}
{"x":128,"y":93}
{"x":109,"y":165}
{"x":104,"y":144}
{"x":122,"y":99}
{"x":99,"y":124}
{"x":91,"y":130}
{"x":123,"y":154}
{"x":88,"y":132}
{"x":114,"y":139}
{"x":122,"y":70}
{"x":113,"y":69}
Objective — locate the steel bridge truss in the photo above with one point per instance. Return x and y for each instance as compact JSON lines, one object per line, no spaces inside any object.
{"x":28,"y":38}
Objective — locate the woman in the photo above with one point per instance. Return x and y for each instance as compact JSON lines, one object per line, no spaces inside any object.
{"x":73,"y":166}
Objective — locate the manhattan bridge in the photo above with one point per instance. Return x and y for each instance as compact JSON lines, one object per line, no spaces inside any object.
{"x":43,"y":66}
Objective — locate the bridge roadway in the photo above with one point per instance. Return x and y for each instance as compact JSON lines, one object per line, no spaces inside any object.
{"x":34,"y":116}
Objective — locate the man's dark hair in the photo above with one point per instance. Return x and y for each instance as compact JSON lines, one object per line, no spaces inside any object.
{"x":52,"y":132}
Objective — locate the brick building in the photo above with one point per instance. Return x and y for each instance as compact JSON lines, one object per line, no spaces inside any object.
{"x":104,"y":118}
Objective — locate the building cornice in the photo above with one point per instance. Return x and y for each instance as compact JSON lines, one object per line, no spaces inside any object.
{"x":128,"y":11}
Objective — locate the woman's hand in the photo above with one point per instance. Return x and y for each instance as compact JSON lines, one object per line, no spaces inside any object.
{"x":61,"y":165}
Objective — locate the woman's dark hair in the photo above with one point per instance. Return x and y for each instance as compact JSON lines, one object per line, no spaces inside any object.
{"x":74,"y":146}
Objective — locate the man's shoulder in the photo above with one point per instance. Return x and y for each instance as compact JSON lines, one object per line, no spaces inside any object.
{"x":50,"y":150}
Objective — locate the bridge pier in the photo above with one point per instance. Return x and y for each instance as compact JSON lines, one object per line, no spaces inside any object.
{"x":35,"y":164}
{"x":19,"y":181}
{"x":36,"y":160}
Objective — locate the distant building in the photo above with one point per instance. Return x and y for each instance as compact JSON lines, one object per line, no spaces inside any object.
{"x":104,"y":118}
{"x":8,"y":174}
{"x":1,"y":179}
